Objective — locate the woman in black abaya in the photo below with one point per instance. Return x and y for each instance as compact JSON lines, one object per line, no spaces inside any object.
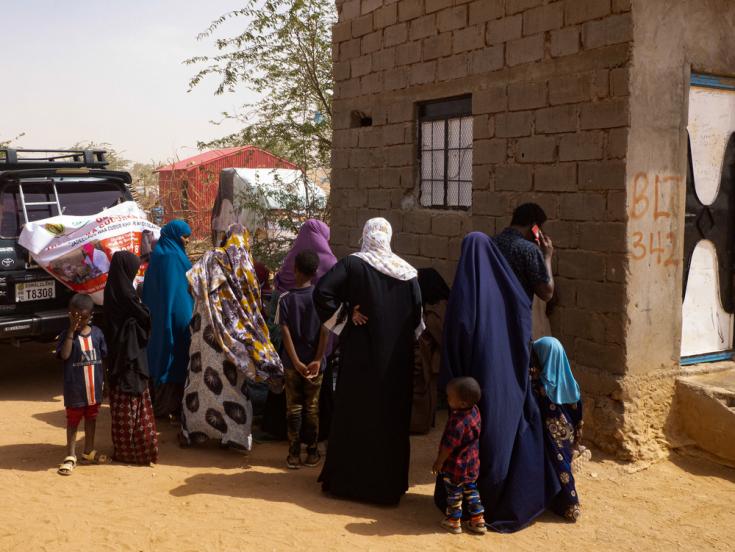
{"x":369,"y":446}
{"x":134,"y":435}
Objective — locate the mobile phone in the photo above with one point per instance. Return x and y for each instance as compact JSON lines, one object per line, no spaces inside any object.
{"x":536,"y":233}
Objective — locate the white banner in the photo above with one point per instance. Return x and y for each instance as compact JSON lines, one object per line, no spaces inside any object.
{"x":77,"y":250}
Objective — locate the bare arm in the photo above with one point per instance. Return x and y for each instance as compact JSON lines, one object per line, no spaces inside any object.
{"x":315,"y":365}
{"x":291,"y":350}
{"x":545,"y":290}
{"x":65,"y":352}
{"x":322,"y":347}
{"x":66,"y":347}
{"x":440,"y":459}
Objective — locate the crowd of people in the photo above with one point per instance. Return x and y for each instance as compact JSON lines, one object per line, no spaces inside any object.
{"x":359,"y":352}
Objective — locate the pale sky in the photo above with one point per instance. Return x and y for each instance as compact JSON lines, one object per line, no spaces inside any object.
{"x":110,"y":71}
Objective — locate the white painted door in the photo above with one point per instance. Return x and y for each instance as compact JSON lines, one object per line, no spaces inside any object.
{"x":706,"y":327}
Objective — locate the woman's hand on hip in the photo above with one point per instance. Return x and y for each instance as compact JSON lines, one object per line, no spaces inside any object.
{"x":358,"y":319}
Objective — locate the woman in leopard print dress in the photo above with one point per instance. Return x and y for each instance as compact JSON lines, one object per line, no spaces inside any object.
{"x":230,"y":346}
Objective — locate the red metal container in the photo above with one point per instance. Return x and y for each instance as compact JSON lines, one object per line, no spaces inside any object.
{"x":188,"y":187}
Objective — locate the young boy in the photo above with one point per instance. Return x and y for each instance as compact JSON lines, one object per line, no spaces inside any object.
{"x":304,"y":341}
{"x":81,"y":347}
{"x":458,"y":460}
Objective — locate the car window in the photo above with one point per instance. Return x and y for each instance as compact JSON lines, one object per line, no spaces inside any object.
{"x":77,"y":198}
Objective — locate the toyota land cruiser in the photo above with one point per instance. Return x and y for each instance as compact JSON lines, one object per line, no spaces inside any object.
{"x":37,"y":184}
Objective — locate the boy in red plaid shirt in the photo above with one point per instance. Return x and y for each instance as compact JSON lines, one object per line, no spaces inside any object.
{"x":458,"y":460}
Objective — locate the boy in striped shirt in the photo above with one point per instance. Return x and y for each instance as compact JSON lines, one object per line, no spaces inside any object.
{"x":81,"y":347}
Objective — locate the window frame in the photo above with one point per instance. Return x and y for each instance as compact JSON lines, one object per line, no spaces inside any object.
{"x":444,"y":109}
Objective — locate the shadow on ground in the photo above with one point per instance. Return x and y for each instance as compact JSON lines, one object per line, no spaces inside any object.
{"x":32,"y":457}
{"x":29,"y":373}
{"x":284,"y":487}
{"x":700,"y":463}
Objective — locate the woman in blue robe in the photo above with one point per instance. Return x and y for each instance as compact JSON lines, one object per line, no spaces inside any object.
{"x":559,"y":400}
{"x":487,"y":335}
{"x":166,"y":294}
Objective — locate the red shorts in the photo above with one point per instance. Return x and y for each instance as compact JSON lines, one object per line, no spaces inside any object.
{"x":74,"y":415}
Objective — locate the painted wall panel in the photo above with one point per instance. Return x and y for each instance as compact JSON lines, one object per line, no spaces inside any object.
{"x":706,"y":327}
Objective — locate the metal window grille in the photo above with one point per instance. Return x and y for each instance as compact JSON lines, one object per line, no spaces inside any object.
{"x":445,"y":153}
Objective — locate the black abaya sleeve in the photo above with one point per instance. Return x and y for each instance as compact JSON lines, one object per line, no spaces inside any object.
{"x":417,"y":304}
{"x":142,"y":315}
{"x":331,"y":292}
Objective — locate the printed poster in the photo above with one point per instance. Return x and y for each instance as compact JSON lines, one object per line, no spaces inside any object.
{"x":76,"y":250}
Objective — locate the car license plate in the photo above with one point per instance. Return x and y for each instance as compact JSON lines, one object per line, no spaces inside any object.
{"x":35,"y":291}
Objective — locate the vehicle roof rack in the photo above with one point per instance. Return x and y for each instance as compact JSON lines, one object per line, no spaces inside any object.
{"x":11,"y":159}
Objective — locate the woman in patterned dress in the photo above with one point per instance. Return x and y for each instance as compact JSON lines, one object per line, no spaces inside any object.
{"x":128,"y":328}
{"x":559,"y":400}
{"x":230,"y":346}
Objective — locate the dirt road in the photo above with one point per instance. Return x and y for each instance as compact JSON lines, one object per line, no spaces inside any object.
{"x":210,"y":499}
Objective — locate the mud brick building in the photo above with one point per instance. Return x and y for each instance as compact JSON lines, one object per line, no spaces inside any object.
{"x":449,"y":113}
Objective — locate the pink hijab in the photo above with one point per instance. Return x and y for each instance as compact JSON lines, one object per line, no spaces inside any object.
{"x":314,"y":235}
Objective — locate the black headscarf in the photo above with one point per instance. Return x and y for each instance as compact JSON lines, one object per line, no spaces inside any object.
{"x":128,"y":325}
{"x":121,"y":300}
{"x":433,"y":287}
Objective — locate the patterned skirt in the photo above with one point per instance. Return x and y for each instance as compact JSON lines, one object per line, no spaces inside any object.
{"x":561,"y":422}
{"x":133,"y":428}
{"x":216,"y":396}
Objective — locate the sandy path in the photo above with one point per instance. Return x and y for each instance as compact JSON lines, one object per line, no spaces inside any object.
{"x":209,"y":499}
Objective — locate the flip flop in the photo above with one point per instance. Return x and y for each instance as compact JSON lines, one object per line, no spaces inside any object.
{"x":67,"y":466}
{"x":582,"y":455}
{"x":95,"y":457}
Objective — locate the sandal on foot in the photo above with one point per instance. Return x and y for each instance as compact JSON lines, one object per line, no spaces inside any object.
{"x":95,"y":457}
{"x":453,"y":526}
{"x":477,"y":528}
{"x":67,"y":466}
{"x":580,"y":457}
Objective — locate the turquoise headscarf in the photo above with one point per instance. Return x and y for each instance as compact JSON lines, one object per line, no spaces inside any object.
{"x":166,"y":293}
{"x":556,"y":374}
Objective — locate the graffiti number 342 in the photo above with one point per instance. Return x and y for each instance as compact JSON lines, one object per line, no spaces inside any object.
{"x":660,"y":245}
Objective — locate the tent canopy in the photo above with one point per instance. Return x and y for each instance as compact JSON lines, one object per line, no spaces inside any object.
{"x":234,"y":182}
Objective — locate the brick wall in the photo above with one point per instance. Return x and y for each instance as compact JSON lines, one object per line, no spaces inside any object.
{"x":550,"y":99}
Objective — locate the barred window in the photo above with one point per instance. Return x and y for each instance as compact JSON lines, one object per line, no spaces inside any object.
{"x":445,"y":155}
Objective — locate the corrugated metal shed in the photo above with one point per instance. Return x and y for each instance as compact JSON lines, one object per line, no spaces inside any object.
{"x":188,"y":187}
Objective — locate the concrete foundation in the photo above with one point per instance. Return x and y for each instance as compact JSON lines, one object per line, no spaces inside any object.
{"x":706,"y":411}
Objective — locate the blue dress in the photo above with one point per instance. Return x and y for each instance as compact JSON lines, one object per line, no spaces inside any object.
{"x":166,"y":294}
{"x":487,"y":335}
{"x":562,"y":423}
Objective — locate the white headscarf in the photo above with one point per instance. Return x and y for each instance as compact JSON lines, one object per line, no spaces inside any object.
{"x":376,"y":251}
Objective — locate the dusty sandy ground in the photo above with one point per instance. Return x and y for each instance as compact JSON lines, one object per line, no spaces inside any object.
{"x":211,"y":500}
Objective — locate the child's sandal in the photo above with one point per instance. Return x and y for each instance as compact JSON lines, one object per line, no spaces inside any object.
{"x":477,"y":528}
{"x":453,"y":526}
{"x":580,"y":457}
{"x":96,"y":458}
{"x":67,"y":466}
